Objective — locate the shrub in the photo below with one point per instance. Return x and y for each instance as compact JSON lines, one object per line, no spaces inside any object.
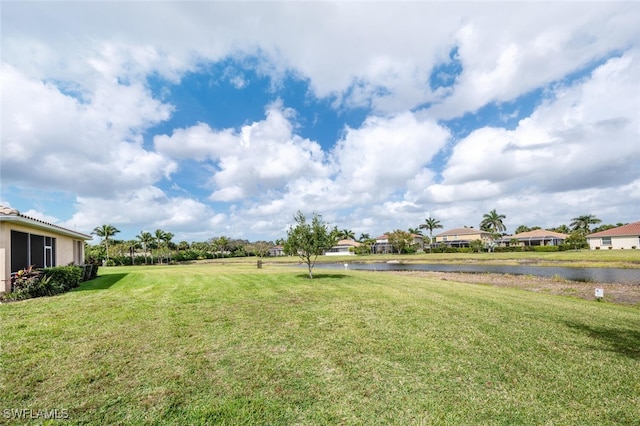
{"x":65,"y":277}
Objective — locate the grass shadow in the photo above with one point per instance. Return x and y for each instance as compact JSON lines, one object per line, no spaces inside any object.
{"x":322,"y":276}
{"x":102,"y":282}
{"x":623,"y":341}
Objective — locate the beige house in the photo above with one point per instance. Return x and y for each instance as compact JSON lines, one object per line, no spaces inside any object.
{"x":26,"y":241}
{"x":383,"y":246}
{"x":342,"y":248}
{"x":461,"y":237}
{"x":537,"y":237}
{"x":622,"y":237}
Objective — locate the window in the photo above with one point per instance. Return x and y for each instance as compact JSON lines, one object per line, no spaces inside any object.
{"x":30,"y":249}
{"x":606,"y":241}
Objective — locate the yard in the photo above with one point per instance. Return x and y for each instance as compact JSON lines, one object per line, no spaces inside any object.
{"x":233,"y":344}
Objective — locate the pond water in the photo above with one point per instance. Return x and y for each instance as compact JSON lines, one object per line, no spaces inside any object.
{"x":603,"y":275}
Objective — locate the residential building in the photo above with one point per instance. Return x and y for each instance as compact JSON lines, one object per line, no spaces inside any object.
{"x":26,"y":241}
{"x":383,"y":246}
{"x":622,"y":237}
{"x":276,"y":251}
{"x":461,"y":237}
{"x":342,"y":247}
{"x":537,"y":237}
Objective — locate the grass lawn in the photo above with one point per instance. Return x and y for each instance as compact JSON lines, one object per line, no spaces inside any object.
{"x":232,"y":344}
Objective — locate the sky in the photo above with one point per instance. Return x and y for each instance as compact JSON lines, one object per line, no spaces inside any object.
{"x":209,"y":119}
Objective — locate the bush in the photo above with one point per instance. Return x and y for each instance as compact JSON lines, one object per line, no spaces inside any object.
{"x":65,"y":277}
{"x":29,"y":283}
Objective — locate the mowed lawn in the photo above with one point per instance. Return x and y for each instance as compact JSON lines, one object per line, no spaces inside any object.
{"x":233,"y":344}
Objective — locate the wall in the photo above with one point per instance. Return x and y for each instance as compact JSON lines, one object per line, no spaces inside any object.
{"x":67,"y":249}
{"x":616,"y":243}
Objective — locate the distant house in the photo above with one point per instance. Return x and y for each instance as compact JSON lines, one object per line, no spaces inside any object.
{"x":342,"y":247}
{"x":276,"y":251}
{"x":461,"y":237}
{"x":622,"y":237}
{"x":383,"y":246}
{"x":537,"y":237}
{"x":26,"y":241}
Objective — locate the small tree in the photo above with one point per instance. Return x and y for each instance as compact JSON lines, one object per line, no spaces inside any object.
{"x":309,"y":240}
{"x":400,"y":240}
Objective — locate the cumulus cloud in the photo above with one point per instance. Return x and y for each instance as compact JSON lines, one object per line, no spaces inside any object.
{"x":386,"y":152}
{"x":259,"y":157}
{"x":78,"y":113}
{"x":54,"y":140}
{"x":560,"y":146}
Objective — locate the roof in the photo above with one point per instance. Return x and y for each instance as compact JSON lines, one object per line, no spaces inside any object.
{"x":350,"y":243}
{"x":7,"y":214}
{"x":631,"y":229}
{"x":539,"y":233}
{"x":462,"y":231}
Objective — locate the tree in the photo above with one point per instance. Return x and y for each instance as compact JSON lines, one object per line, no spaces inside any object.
{"x":430,"y":224}
{"x":347,"y":234}
{"x":105,"y":232}
{"x":145,"y":239}
{"x":309,"y":240}
{"x":400,"y":240}
{"x":492,"y":222}
{"x":583,"y":223}
{"x":364,"y":236}
{"x":522,"y":228}
{"x":563,"y":229}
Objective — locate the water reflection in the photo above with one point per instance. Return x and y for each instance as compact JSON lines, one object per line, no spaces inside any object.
{"x":604,"y":275}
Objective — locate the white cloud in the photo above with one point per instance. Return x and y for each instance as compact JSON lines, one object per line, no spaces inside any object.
{"x":52,"y":140}
{"x":561,"y":146}
{"x":261,"y":156}
{"x":384,"y":153}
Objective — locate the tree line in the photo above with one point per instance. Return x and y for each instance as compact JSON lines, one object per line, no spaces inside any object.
{"x":159,"y":247}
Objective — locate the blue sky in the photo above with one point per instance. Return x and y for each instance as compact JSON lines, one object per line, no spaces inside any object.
{"x":210,"y":119}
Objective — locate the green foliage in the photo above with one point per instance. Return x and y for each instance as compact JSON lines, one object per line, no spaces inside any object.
{"x":492,"y":222}
{"x":309,"y":240}
{"x":65,"y":277}
{"x":29,"y":283}
{"x":476,"y":246}
{"x":401,"y":241}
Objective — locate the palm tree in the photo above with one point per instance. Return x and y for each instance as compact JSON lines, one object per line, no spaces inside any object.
{"x":158,"y":237}
{"x":364,"y":236}
{"x":430,"y":224}
{"x":146,"y":239}
{"x":583,"y":223}
{"x":415,"y":231}
{"x":166,"y":239}
{"x":347,"y":234}
{"x":105,"y":232}
{"x":492,"y":222}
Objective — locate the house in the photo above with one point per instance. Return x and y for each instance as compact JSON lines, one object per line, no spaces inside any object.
{"x":342,"y":247}
{"x":26,"y":241}
{"x":461,"y":237}
{"x":537,"y":237}
{"x":383,"y":246}
{"x":276,"y":251}
{"x":622,"y":237}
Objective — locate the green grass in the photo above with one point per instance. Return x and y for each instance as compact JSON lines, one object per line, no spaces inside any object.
{"x":232,"y":344}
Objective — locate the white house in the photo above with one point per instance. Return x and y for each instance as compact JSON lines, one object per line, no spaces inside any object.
{"x":622,"y":237}
{"x":26,"y":241}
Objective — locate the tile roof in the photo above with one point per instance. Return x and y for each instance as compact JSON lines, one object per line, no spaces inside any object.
{"x":539,"y":233}
{"x":7,"y":213}
{"x":462,"y":231}
{"x":351,"y":243}
{"x":625,"y":230}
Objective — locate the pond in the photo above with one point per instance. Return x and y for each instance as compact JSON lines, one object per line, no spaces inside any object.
{"x":602,"y":275}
